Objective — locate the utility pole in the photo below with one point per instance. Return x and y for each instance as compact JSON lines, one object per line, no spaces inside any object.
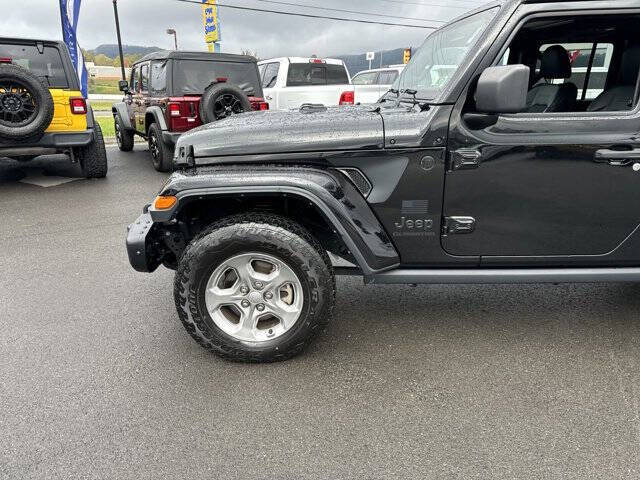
{"x":115,"y":13}
{"x":171,"y":31}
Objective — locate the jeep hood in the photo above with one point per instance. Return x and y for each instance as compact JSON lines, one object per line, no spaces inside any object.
{"x":272,"y":132}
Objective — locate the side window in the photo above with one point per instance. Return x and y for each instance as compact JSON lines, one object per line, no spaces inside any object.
{"x":144,"y":78}
{"x":159,"y":78}
{"x":270,"y":76}
{"x":366,"y":78}
{"x":261,"y":71}
{"x":135,"y":79}
{"x":579,"y":56}
{"x":388,"y":77}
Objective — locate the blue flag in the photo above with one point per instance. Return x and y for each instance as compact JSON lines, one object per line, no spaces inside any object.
{"x":70,"y":11}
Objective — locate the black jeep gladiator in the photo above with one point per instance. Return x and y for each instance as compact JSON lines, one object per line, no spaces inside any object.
{"x":507,"y":152}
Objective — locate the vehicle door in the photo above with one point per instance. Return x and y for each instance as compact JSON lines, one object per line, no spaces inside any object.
{"x":541,"y":188}
{"x":269,"y":81}
{"x":141,"y":99}
{"x":366,"y":88}
{"x":134,"y":95}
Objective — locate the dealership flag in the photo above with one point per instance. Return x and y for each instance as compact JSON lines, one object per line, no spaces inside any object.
{"x":70,"y":11}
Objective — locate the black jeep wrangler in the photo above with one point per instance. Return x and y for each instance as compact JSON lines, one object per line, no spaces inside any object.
{"x":170,"y":93}
{"x":507,"y":152}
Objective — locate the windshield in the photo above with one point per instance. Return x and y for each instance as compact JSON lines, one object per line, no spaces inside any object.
{"x":441,"y":54}
{"x":194,"y":76}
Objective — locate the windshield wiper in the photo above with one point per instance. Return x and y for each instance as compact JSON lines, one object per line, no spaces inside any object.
{"x":409,"y":91}
{"x":391,"y":90}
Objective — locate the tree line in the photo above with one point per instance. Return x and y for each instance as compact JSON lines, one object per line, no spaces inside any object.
{"x":102,"y":60}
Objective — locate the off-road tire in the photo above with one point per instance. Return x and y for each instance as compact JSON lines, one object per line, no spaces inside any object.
{"x":216,"y":91}
{"x":124,"y":137}
{"x":93,"y":157}
{"x":263,"y":233}
{"x":32,"y":128}
{"x":161,"y":154}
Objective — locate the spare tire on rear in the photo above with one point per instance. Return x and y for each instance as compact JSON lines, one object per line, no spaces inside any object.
{"x":26,"y":106}
{"x":221,"y":100}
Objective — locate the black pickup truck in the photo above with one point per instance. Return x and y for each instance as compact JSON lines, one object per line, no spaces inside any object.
{"x":507,"y":152}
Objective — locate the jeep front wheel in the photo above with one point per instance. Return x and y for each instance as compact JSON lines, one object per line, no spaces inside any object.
{"x":254,"y":288}
{"x":124,"y":137}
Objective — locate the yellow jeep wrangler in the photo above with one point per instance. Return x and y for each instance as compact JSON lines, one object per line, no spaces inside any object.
{"x":42,"y":110}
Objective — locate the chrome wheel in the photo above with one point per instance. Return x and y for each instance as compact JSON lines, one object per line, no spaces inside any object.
{"x":254,"y":297}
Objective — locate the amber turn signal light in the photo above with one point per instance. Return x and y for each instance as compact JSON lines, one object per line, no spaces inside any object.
{"x":164,"y":202}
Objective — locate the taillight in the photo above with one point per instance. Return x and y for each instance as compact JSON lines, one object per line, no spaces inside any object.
{"x":78,"y":106}
{"x":174,"y":109}
{"x":317,"y":60}
{"x":6,"y":60}
{"x":264,"y":106}
{"x":347,"y":98}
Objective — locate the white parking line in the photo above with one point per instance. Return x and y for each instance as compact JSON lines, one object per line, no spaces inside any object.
{"x":46,"y":181}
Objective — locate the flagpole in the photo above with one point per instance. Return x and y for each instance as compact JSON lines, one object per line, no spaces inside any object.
{"x":115,"y":13}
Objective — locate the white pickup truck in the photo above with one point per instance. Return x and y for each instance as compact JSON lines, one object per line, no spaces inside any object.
{"x":370,"y":85}
{"x":290,"y":82}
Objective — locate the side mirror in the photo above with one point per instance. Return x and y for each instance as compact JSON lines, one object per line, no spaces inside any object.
{"x":503,"y":89}
{"x":123,"y":86}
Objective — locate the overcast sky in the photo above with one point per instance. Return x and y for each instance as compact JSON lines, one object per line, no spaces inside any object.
{"x":144,"y":22}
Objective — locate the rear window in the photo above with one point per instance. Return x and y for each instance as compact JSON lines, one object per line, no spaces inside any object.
{"x":306,"y":74}
{"x":193,"y":76}
{"x":47,"y":65}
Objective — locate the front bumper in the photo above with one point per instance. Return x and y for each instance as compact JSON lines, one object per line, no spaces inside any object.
{"x":139,"y":249}
{"x":51,"y":141}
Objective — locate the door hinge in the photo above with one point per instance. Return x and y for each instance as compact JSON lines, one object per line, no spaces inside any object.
{"x":458,"y":225}
{"x":465,"y":159}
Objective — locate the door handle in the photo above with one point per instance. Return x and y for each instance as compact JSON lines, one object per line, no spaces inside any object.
{"x":268,"y":97}
{"x":618,"y":158}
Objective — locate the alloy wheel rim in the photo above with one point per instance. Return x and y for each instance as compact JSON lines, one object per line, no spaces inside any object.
{"x":254,"y":297}
{"x":227,"y":105}
{"x":118,"y":134}
{"x":153,"y":146}
{"x":17,"y":104}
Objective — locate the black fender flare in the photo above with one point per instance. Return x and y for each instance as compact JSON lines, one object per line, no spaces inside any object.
{"x":329,"y":191}
{"x":158,"y":118}
{"x":120,"y":109}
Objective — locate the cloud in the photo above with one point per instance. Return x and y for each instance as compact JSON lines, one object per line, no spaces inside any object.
{"x":144,"y":22}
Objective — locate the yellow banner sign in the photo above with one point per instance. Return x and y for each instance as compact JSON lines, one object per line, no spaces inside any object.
{"x":406,"y":56}
{"x":210,"y":20}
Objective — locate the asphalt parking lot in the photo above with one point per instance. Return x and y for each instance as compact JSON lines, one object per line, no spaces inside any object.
{"x":99,"y":380}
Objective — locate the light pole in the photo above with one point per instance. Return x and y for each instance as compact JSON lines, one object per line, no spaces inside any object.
{"x":115,"y":13}
{"x":171,"y":31}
